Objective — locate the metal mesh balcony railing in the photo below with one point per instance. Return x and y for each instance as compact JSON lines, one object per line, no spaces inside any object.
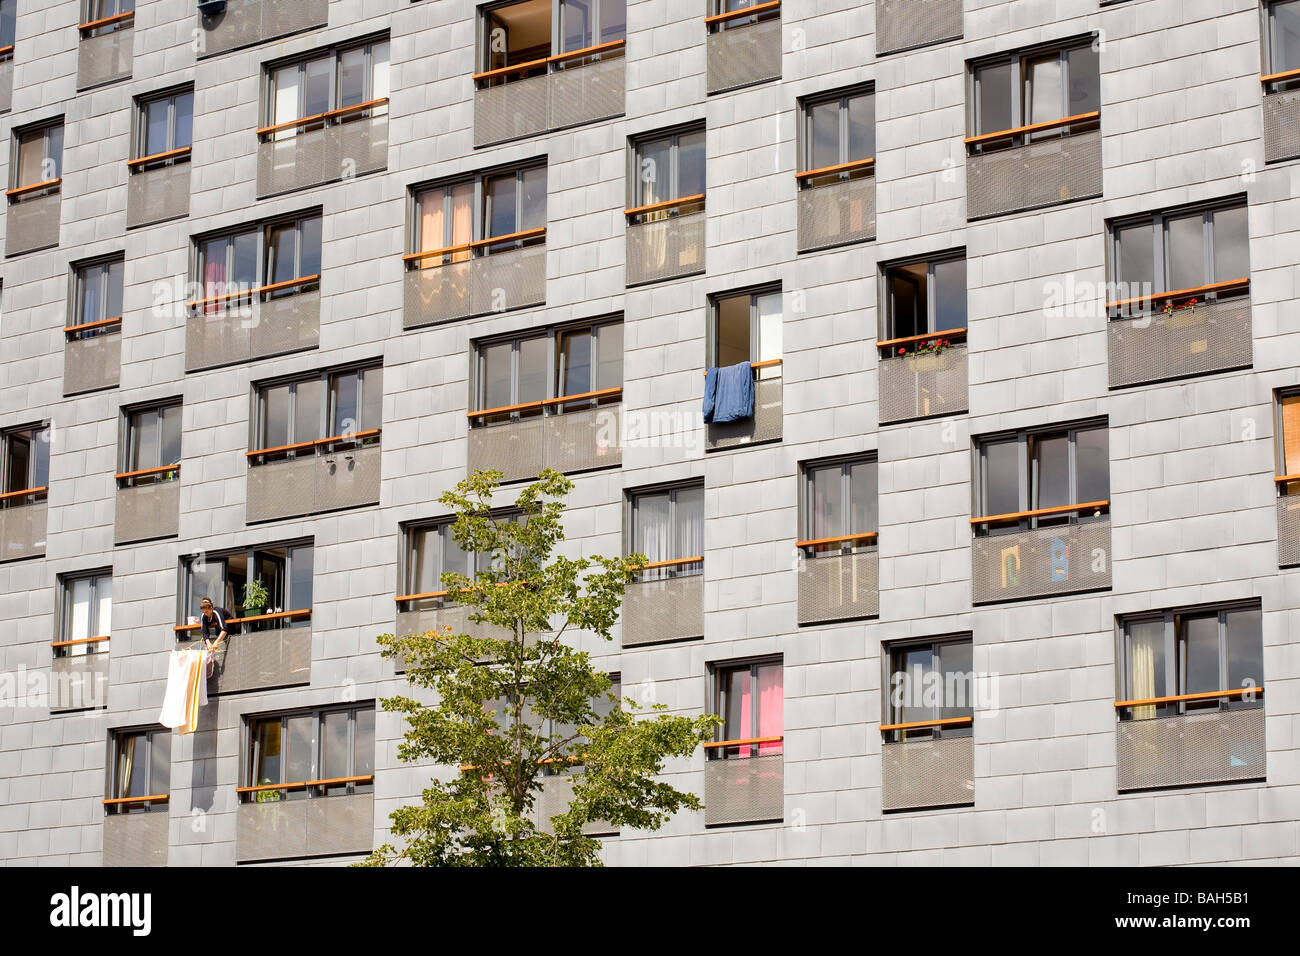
{"x":924,"y":384}
{"x":1041,"y":562}
{"x":1212,"y":746}
{"x":1033,"y":175}
{"x":245,"y":22}
{"x":907,"y":24}
{"x":1210,"y":337}
{"x":932,"y":772}
{"x":742,"y":54}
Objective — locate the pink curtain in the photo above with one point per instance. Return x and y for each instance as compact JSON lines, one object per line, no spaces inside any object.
{"x":771,"y":708}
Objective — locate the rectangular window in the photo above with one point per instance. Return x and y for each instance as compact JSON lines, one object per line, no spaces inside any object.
{"x":524,"y":375}
{"x":1287,"y":430}
{"x":279,"y":258}
{"x":454,"y":221}
{"x":666,"y":525}
{"x":140,"y":768}
{"x":40,"y":160}
{"x":1030,"y":87}
{"x":1170,"y":260}
{"x":151,"y":442}
{"x":532,"y":34}
{"x":329,"y":86}
{"x":286,"y":751}
{"x":432,"y":551}
{"x":667,"y":174}
{"x":97,"y":297}
{"x":1041,"y":478}
{"x":294,"y":417}
{"x":747,"y":327}
{"x":284,"y":570}
{"x":96,"y":10}
{"x":924,"y":297}
{"x":838,"y":130}
{"x":839,"y":502}
{"x":1214,"y":656}
{"x":26,"y":463}
{"x":749,"y":697}
{"x":8,"y":28}
{"x":1282,"y":44}
{"x":930,"y":683}
{"x":164,"y":126}
{"x":85,"y":614}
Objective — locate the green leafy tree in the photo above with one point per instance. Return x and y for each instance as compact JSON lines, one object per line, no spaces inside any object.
{"x":516,"y":698}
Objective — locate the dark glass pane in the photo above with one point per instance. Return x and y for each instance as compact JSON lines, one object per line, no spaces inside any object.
{"x":825,"y":508}
{"x":1135,"y":266}
{"x":298,"y":765}
{"x":1085,"y":81}
{"x":157,"y":125}
{"x":1052,"y":469}
{"x":690,"y":164}
{"x":949,"y":295}
{"x":245,"y":269}
{"x":862,"y":127}
{"x":1284,"y":25}
{"x":352,"y":77}
{"x":1002,"y":477}
{"x":1231,"y":245}
{"x":1092,"y":462}
{"x":824,"y":134}
{"x":955,"y":660}
{"x":160,"y":759}
{"x":268,"y":753}
{"x":309,"y":231}
{"x":171,"y":435}
{"x":363,"y":747}
{"x":309,"y":400}
{"x":613,"y":20}
{"x":495,"y":385}
{"x":281,"y":245}
{"x":275,"y":416}
{"x":334,"y":746}
{"x":347,"y":411}
{"x":54,"y":150}
{"x":533,"y":372}
{"x":454,"y":559}
{"x":422,"y":575}
{"x":500,"y":214}
{"x":8,"y":13}
{"x":907,"y":300}
{"x":19,"y":464}
{"x":92,"y":294}
{"x":1200,"y":649}
{"x":576,"y":25}
{"x":534,"y":199}
{"x":575,"y":363}
{"x":132,"y":767}
{"x":654,"y":172}
{"x":372,"y":399}
{"x":733,"y":330}
{"x":184,"y":121}
{"x":316,"y":86}
{"x":1185,"y":252}
{"x":609,"y":374}
{"x":862,"y":497}
{"x":300,"y":577}
{"x":113,"y":291}
{"x":1245,"y":649}
{"x":907,"y":689}
{"x":993,"y":106}
{"x":40,"y":477}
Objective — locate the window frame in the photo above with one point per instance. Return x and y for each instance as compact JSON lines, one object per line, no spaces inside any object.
{"x":846,"y":464}
{"x":43,"y":129}
{"x":187,"y":595}
{"x":1158,"y":221}
{"x":1029,"y":488}
{"x":140,"y":131}
{"x":1017,"y":78}
{"x":210,"y":303}
{"x":318,"y":715}
{"x":887,"y":306}
{"x":754,"y":293}
{"x":552,"y":335}
{"x":64,"y":614}
{"x":77,"y":300}
{"x":630,"y":526}
{"x":325,"y":418}
{"x":12,"y":7}
{"x":717,"y":701}
{"x":889,"y":659}
{"x":152,"y":736}
{"x":636,"y":185}
{"x":278,"y":132}
{"x":806,"y":134}
{"x":126,"y":432}
{"x":1271,"y":54}
{"x":33,"y":434}
{"x":480,"y":244}
{"x":1175,"y":663}
{"x":1280,"y":397}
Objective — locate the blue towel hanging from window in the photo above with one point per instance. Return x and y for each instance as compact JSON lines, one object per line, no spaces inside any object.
{"x":729,"y":393}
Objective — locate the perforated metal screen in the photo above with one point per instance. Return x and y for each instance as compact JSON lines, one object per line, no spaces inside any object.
{"x":321,"y":826}
{"x":1190,"y":749}
{"x":347,"y":476}
{"x":764,"y":425}
{"x":918,"y":386}
{"x":743,"y":54}
{"x":105,"y":58}
{"x":1281,"y":126}
{"x":837,"y":587}
{"x":1041,"y":562}
{"x":671,"y":609}
{"x":147,"y":511}
{"x":32,"y":224}
{"x":92,"y":363}
{"x":136,"y":839}
{"x":1288,"y":530}
{"x":1034,"y":175}
{"x":748,"y":790}
{"x":905,"y":24}
{"x":79,"y":682}
{"x":159,"y":194}
{"x":244,"y":22}
{"x":837,"y":213}
{"x":665,"y":249}
{"x":936,"y":772}
{"x":1212,"y":337}
{"x":22,"y":530}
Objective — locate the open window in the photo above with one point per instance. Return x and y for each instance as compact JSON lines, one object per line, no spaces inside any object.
{"x":667,"y":526}
{"x":283,"y":570}
{"x":924,"y":303}
{"x":311,"y":754}
{"x":747,"y":327}
{"x":85,"y":614}
{"x":1031,"y":95}
{"x":139,"y":777}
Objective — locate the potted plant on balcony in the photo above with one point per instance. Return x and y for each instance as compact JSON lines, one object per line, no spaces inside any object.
{"x":266,"y":796}
{"x":926,"y":355}
{"x":1182,"y":316}
{"x":255,"y":598}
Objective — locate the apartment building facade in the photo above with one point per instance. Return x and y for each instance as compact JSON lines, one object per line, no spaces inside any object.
{"x":999,"y":568}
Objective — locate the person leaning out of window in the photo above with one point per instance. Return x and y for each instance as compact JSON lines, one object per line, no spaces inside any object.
{"x":213,"y":621}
